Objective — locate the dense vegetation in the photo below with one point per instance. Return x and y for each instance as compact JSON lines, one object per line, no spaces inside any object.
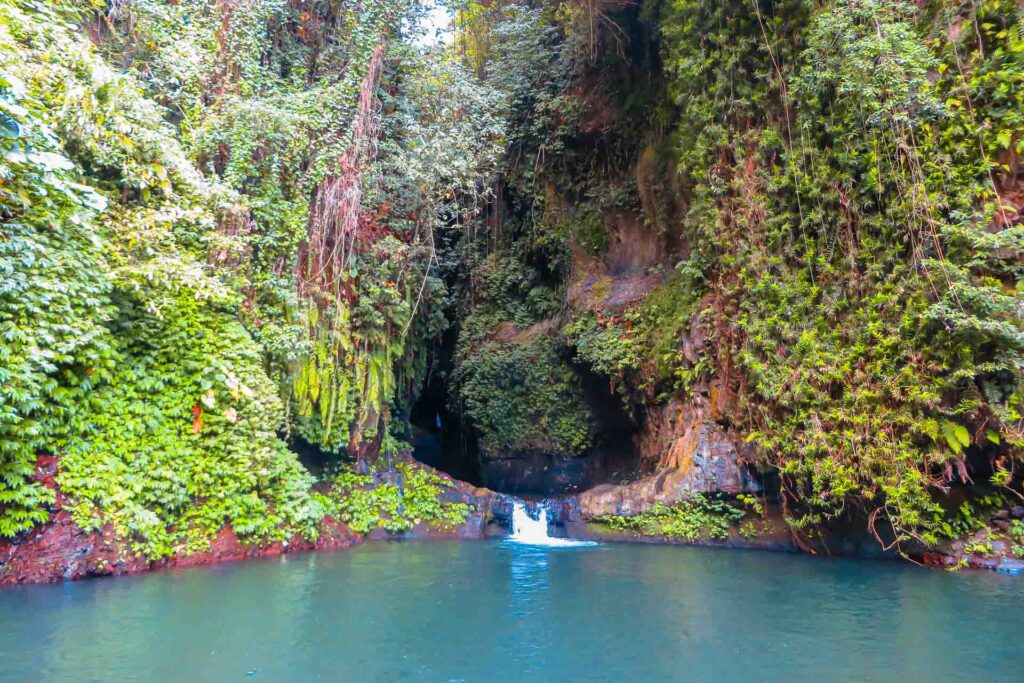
{"x":864,"y":244}
{"x":234,"y":228}
{"x":699,"y":517}
{"x":157,"y":331}
{"x":839,"y":184}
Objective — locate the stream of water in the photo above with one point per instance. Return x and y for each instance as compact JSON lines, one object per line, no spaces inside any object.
{"x":528,"y":530}
{"x":503,"y":612}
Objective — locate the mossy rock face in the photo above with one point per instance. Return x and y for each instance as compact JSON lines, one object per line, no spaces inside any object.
{"x":524,"y":398}
{"x":512,"y":381}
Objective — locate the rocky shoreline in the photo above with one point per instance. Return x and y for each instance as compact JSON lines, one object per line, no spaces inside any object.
{"x":61,"y":551}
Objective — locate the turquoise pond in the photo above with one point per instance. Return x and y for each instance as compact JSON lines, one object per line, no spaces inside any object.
{"x":496,"y":611}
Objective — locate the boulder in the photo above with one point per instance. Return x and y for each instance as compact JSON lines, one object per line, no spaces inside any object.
{"x":698,"y":457}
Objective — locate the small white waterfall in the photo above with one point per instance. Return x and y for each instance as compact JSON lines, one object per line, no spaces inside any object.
{"x":530,"y":531}
{"x":526,"y":529}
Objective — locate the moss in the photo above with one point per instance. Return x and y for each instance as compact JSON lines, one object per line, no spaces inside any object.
{"x":658,"y":325}
{"x":523,"y":397}
{"x":641,"y":348}
{"x":603,"y":344}
{"x":585,"y":225}
{"x":512,"y":382}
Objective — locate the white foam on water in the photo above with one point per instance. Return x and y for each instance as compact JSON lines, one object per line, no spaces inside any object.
{"x":530,"y":531}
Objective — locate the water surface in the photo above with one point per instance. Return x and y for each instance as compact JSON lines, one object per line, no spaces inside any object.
{"x":497,"y":612}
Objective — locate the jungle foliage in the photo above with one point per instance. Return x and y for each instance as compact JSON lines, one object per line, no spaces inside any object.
{"x":853,"y":201}
{"x":699,"y":517}
{"x":228,"y":226}
{"x":395,"y":501}
{"x":842,"y":190}
{"x":156,"y":330}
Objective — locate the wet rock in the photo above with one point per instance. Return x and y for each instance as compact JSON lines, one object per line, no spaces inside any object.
{"x":1011,"y":566}
{"x":60,"y":550}
{"x":936,"y":559}
{"x":978,"y":562}
{"x":686,"y":450}
{"x":541,"y":473}
{"x":501,"y":507}
{"x":607,"y":293}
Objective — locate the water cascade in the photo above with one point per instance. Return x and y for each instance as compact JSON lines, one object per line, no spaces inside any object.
{"x":530,"y":531}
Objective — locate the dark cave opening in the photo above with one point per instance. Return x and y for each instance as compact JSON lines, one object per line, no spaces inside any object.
{"x":443,"y":440}
{"x":618,"y":423}
{"x":318,"y":461}
{"x":438,"y":437}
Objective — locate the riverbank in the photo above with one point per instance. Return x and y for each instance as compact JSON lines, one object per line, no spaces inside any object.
{"x":62,"y":551}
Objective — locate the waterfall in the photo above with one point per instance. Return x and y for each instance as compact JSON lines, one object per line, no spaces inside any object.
{"x":530,"y":531}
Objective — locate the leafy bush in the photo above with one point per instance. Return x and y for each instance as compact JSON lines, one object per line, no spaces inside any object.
{"x":692,"y":518}
{"x":602,"y":343}
{"x":523,"y":396}
{"x":395,"y":504}
{"x":121,"y":349}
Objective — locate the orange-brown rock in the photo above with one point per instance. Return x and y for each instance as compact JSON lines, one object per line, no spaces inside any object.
{"x":693,"y":455}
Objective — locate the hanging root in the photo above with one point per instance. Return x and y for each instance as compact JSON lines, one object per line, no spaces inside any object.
{"x":338,"y":202}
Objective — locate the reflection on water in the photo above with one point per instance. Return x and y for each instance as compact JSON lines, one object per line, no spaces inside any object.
{"x":529,"y":577}
{"x":497,"y":612}
{"x":528,"y":595}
